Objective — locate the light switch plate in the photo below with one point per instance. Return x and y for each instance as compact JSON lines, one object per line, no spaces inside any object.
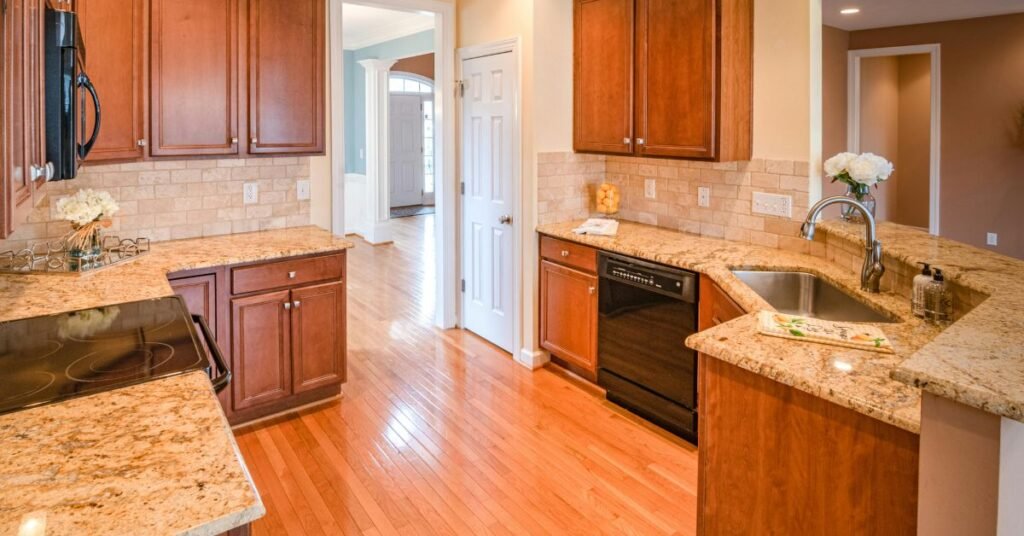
{"x":993,"y":239}
{"x":703,"y":196}
{"x":250,"y":193}
{"x":302,"y":190}
{"x":650,"y":189}
{"x":773,"y":205}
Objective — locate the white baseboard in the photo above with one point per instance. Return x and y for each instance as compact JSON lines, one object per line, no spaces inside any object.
{"x":379,"y":233}
{"x":532,"y":359}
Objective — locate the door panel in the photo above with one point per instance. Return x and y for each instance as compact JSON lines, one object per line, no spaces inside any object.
{"x":200,"y":295}
{"x":406,"y":150}
{"x":286,"y":76}
{"x":17,"y":190}
{"x":488,"y":114}
{"x":114,"y":34}
{"x":603,"y":78}
{"x":675,"y":77}
{"x":260,"y":349}
{"x":194,"y":77}
{"x":568,"y":314}
{"x":318,"y":336}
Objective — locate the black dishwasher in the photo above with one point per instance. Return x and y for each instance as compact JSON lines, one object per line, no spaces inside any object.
{"x":646,"y":312}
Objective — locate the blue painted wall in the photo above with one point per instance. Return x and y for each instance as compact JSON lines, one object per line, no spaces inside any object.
{"x":355,"y":89}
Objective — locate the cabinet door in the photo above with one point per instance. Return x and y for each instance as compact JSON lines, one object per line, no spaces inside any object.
{"x":194,"y":77}
{"x":260,"y":349}
{"x":568,"y":314}
{"x":114,"y":35}
{"x":603,"y":76}
{"x":17,"y":157}
{"x":716,"y":307}
{"x":286,"y":76}
{"x":318,"y":336}
{"x":200,"y":295}
{"x":676,"y":77}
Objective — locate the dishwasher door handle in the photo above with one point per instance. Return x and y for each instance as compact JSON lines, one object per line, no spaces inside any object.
{"x":224,"y":378}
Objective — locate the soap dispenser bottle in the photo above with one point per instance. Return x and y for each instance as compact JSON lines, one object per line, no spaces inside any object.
{"x":938,"y":300}
{"x":921,"y":281}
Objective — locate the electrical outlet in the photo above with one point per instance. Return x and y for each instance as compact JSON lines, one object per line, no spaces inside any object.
{"x":993,"y":239}
{"x":703,"y":196}
{"x":302,"y":190}
{"x":250,"y":193}
{"x":773,"y":204}
{"x":650,"y":189}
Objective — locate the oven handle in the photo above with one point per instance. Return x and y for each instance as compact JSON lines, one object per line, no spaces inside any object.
{"x":222,"y":381}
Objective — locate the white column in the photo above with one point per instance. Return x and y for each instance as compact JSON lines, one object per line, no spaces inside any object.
{"x":378,"y":201}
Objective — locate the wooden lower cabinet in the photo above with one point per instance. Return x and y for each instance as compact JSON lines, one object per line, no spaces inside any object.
{"x":568,"y":304}
{"x":715,"y":307}
{"x":776,"y":460}
{"x":286,"y":344}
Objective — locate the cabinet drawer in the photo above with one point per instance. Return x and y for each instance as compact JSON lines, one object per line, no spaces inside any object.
{"x":568,"y":253}
{"x":287,"y":273}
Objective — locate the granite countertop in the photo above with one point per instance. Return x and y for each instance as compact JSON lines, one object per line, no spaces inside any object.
{"x":979,"y":360}
{"x":154,"y":458}
{"x":856,"y":379}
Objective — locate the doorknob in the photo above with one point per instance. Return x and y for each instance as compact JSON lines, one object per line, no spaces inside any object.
{"x":505,"y":219}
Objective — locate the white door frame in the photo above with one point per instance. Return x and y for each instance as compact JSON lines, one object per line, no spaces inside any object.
{"x":511,"y":45}
{"x":854,"y":105}
{"x":445,"y":116}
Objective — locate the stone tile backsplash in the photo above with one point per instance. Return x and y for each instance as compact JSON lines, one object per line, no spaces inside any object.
{"x":167,"y":200}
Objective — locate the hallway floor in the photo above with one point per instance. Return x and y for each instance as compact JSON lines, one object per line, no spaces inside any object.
{"x":439,"y":432}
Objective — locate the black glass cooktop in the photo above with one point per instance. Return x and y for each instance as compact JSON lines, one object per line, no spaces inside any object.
{"x":52,"y":358}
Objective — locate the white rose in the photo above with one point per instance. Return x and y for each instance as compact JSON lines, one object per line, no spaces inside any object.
{"x":864,"y":169}
{"x":883,"y":167}
{"x":838,"y":164}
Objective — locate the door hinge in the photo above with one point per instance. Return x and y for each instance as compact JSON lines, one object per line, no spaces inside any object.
{"x":462,"y":188}
{"x":460,"y":88}
{"x":463,"y":285}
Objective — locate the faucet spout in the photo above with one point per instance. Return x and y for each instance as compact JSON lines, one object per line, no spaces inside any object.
{"x":873,"y":269}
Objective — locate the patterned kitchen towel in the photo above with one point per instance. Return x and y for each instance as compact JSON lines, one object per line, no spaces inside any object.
{"x":846,"y":334}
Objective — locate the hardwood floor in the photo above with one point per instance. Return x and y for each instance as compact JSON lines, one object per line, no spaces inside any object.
{"x":440,"y":432}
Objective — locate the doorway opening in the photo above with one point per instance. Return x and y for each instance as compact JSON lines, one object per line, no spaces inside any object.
{"x":411,"y":108}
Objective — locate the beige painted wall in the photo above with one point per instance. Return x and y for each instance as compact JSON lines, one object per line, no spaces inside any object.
{"x":320,"y":166}
{"x":982,"y":85}
{"x":914,"y":140}
{"x":782,"y":79}
{"x":835,"y":45}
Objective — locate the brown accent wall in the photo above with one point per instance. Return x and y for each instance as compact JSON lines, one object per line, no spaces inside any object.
{"x":422,"y":65}
{"x":879,"y":124}
{"x":914,"y":140}
{"x":982,"y":85}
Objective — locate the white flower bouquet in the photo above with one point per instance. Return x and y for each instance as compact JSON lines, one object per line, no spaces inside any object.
{"x":84,"y":324}
{"x":858,"y":171}
{"x":88,"y":211}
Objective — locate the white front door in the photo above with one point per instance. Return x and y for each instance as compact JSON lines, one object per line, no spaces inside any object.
{"x":406,"y":125}
{"x":487,"y":153}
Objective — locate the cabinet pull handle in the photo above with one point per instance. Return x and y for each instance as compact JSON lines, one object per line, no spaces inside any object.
{"x":591,"y":290}
{"x":296,"y":303}
{"x":287,"y":305}
{"x":565,"y":253}
{"x":291,"y":275}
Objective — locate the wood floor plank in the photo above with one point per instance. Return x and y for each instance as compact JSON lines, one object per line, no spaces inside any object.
{"x":440,"y":432}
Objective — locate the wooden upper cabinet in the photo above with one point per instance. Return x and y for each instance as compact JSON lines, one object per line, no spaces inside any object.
{"x":194,"y":77}
{"x":286,"y":76}
{"x":603,"y":76}
{"x":691,"y":95}
{"x":114,"y":32}
{"x":318,"y":336}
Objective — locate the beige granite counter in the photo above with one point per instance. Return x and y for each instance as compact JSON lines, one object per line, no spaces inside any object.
{"x":979,"y":360}
{"x":855,"y":379}
{"x":154,"y":458}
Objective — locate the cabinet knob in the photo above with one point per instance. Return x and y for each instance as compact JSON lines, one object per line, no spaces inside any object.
{"x":254,"y":141}
{"x":141,"y":143}
{"x":565,"y":253}
{"x":36,"y":172}
{"x":287,"y":305}
{"x":639,"y":141}
{"x":626,"y":141}
{"x":234,"y":141}
{"x":291,"y":275}
{"x":591,"y":290}
{"x":296,"y":303}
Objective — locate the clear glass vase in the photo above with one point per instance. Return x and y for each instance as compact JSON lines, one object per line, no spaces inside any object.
{"x":861,"y":193}
{"x":82,"y":259}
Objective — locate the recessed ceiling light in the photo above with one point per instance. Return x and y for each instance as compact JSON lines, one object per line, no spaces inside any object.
{"x":850,"y":11}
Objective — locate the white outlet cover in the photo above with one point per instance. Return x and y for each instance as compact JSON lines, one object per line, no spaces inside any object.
{"x":250,"y":193}
{"x":302,"y":190}
{"x":650,"y":189}
{"x":992,"y":239}
{"x":703,"y":196}
{"x":773,"y":205}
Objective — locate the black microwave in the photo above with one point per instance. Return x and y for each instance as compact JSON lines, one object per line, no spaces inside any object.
{"x":67,"y":91}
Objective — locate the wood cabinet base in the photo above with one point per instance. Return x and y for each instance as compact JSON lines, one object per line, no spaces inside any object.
{"x":306,"y":398}
{"x":775,"y":460}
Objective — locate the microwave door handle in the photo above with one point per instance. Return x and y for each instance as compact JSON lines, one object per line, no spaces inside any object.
{"x":86,"y":148}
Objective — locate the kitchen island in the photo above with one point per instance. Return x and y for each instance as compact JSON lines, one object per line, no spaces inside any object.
{"x":154,"y":458}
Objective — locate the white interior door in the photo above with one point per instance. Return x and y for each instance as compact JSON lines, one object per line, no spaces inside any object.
{"x":487,"y":240}
{"x":406,"y":125}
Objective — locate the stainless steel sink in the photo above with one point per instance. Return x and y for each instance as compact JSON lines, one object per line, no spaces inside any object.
{"x":805,"y":294}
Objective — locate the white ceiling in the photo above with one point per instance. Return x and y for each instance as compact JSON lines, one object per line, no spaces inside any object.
{"x":363,"y":26}
{"x":885,"y":13}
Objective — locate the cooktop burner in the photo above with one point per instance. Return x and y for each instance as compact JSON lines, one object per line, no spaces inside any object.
{"x":51,"y":358}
